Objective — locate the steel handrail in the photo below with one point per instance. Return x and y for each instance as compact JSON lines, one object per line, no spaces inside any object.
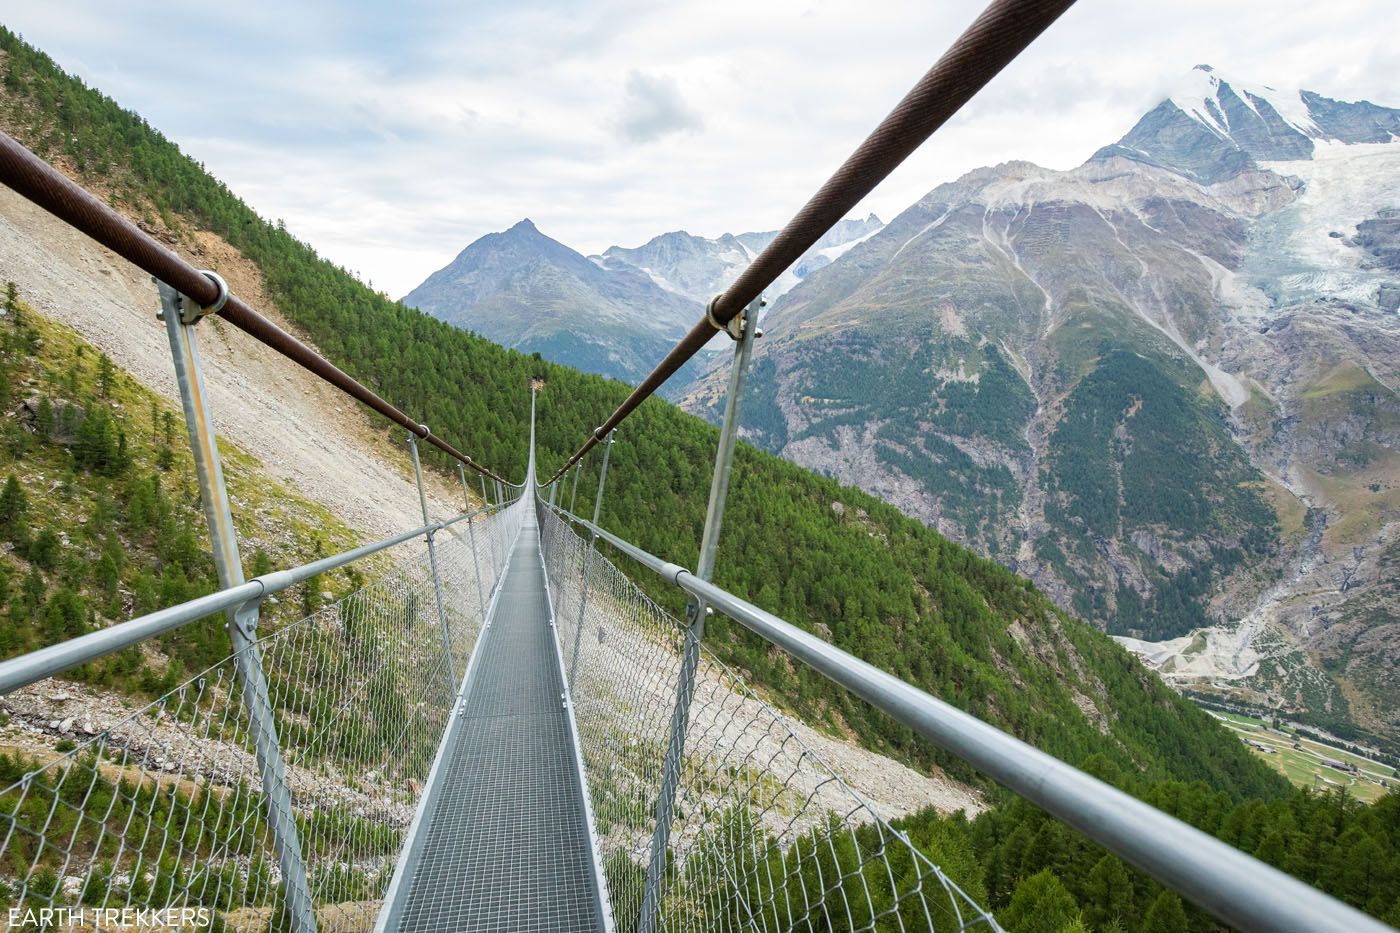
{"x":1235,"y":887}
{"x":45,"y":662}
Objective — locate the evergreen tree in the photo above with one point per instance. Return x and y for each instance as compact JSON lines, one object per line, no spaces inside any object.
{"x":65,"y":615}
{"x":1041,"y":905}
{"x":13,"y":506}
{"x":1108,"y":894}
{"x":106,"y":376}
{"x":1271,"y":849}
{"x":1165,"y":915}
{"x":107,"y":570}
{"x":12,"y":305}
{"x":44,"y":419}
{"x":45,"y":549}
{"x":99,"y":446}
{"x":165,"y":456}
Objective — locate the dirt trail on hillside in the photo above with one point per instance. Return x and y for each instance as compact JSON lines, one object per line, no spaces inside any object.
{"x":307,"y":434}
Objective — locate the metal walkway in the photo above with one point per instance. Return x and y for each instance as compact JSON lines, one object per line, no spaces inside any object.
{"x":503,"y":842}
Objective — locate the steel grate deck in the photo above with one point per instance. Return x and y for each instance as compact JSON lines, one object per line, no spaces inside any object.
{"x":505,"y":842}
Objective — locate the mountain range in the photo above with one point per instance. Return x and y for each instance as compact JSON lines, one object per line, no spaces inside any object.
{"x":701,"y":268}
{"x":1161,"y":384}
{"x":615,"y":314}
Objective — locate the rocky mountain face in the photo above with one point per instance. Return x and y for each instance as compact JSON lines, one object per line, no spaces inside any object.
{"x":529,"y":292}
{"x":701,"y":268}
{"x":1162,"y":384}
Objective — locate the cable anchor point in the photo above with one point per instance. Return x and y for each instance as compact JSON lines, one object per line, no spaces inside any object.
{"x":735,"y":327}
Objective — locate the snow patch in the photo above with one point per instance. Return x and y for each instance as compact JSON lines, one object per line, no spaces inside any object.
{"x":832,"y":253}
{"x":927,"y":227}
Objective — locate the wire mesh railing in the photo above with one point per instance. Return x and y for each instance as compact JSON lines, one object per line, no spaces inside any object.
{"x":764,"y":835}
{"x":163,"y":809}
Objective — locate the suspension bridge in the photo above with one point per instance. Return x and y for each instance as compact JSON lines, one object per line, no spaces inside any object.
{"x":502,"y":731}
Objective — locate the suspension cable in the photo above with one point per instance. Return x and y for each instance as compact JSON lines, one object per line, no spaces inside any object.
{"x":1003,"y":31}
{"x":41,"y":183}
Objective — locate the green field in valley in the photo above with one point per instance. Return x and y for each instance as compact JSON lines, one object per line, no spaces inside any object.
{"x":1301,"y":759}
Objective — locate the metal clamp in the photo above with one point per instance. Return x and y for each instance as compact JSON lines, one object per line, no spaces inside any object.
{"x":246,"y":617}
{"x":735,"y":327}
{"x":192,"y":313}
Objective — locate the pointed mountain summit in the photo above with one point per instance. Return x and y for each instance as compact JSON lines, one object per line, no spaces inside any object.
{"x":532,"y":293}
{"x":1212,"y":128}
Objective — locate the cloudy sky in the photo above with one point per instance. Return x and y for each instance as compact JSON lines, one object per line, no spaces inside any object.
{"x":390,"y":135}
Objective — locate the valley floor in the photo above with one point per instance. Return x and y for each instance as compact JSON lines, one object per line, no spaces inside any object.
{"x":1310,"y":763}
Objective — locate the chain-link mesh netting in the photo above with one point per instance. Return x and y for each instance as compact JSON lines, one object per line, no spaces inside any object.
{"x":165,"y":807}
{"x":764,"y":836}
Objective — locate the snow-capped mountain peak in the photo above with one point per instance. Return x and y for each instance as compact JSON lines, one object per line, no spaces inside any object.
{"x":1207,"y":96}
{"x":1213,"y":128}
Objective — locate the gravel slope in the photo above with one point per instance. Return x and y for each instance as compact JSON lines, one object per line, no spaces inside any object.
{"x":306,"y":433}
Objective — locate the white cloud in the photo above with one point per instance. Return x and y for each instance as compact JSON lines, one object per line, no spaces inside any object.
{"x":653,"y":107}
{"x":391,"y":135}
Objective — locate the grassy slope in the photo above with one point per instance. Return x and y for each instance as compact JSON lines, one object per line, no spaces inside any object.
{"x":886,"y":587}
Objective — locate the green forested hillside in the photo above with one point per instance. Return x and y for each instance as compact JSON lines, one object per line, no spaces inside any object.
{"x":1038,"y":875}
{"x":1136,"y":456}
{"x":827,"y":557}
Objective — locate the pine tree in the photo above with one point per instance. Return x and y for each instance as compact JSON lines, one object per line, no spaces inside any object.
{"x":65,"y":615}
{"x":44,"y":419}
{"x":98,"y":446}
{"x":13,"y":506}
{"x":107,"y":570}
{"x":12,"y":305}
{"x":1108,"y":894}
{"x":45,"y":549}
{"x":33,"y":592}
{"x":165,"y":457}
{"x":1040,"y":905}
{"x":1165,"y":915}
{"x":106,"y":376}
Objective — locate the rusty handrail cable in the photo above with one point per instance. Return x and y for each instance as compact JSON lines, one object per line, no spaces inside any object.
{"x":41,"y":183}
{"x":1003,"y":31}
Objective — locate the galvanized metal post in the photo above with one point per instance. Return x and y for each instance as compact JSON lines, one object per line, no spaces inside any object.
{"x":587,"y":556}
{"x":573,"y":496}
{"x":471,"y":539}
{"x":466,"y":494}
{"x":500,"y":493}
{"x":476,"y":568}
{"x":433,"y":566}
{"x":695,"y":612}
{"x":485,"y":499}
{"x":180,"y":317}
